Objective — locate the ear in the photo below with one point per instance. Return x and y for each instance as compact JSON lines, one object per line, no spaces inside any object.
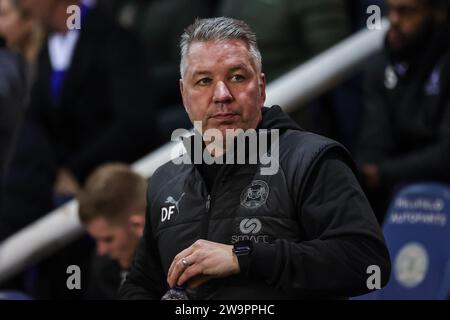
{"x":183,"y":94}
{"x":181,"y":87}
{"x":182,"y":91}
{"x":262,"y":87}
{"x":137,"y":222}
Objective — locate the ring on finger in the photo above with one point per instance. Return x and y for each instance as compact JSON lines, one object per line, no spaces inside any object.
{"x":185,"y":262}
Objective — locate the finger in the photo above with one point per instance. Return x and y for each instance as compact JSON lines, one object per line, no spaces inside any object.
{"x":179,"y":268}
{"x":190,"y":272}
{"x":186,"y":252}
{"x":177,"y":260}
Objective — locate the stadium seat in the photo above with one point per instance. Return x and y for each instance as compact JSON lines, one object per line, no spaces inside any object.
{"x":417,"y":233}
{"x":14,"y":295}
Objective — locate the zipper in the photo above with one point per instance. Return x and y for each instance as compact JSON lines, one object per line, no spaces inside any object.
{"x":205,"y":221}
{"x":209,"y":203}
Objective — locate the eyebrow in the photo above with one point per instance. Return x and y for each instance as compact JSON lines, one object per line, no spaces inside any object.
{"x":201,"y":73}
{"x":232,"y":69}
{"x":239,"y":67}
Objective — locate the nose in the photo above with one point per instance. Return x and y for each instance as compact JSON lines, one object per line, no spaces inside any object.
{"x":221,"y":93}
{"x":102,"y":248}
{"x":393,"y":17}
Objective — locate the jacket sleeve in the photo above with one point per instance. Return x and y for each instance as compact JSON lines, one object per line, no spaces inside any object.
{"x":377,"y":146}
{"x":146,"y":279}
{"x":428,"y":163}
{"x":342,"y":239}
{"x":375,"y":141}
{"x":12,"y":91}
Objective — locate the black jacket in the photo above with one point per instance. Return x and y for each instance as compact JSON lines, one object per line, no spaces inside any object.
{"x":12,"y":92}
{"x":313,"y":230}
{"x":406,"y":126}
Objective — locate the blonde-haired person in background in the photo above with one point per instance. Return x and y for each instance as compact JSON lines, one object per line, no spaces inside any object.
{"x":21,"y":31}
{"x":20,"y":40}
{"x":112,"y":209}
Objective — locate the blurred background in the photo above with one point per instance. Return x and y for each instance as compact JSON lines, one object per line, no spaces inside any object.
{"x":75,"y":101}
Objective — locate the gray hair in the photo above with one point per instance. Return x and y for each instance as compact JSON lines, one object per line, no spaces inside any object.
{"x":218,"y":29}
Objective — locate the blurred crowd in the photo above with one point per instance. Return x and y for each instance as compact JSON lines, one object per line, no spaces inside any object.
{"x":74,"y":100}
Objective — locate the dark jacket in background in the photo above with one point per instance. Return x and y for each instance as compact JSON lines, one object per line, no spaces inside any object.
{"x":316,"y":237}
{"x":12,"y":95}
{"x":104,"y":279}
{"x":406,"y":127}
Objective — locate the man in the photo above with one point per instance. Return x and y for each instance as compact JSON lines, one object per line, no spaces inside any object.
{"x":228,"y":231}
{"x":112,"y":209}
{"x":406,"y":131}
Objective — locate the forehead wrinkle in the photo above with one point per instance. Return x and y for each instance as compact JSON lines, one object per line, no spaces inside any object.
{"x":228,"y":49}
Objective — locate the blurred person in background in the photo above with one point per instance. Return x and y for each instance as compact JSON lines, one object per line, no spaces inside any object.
{"x":21,"y":31}
{"x":22,"y":40}
{"x":405,"y":135}
{"x":112,"y":209}
{"x":92,"y":105}
{"x":91,"y":94}
{"x":12,"y":92}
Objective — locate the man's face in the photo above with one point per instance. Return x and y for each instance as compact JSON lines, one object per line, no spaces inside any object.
{"x":221,"y":86}
{"x":407,"y":18}
{"x":119,"y":242}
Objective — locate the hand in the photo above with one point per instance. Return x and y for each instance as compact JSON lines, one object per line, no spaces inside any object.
{"x":372,"y":175}
{"x":66,"y":183}
{"x":204,"y":260}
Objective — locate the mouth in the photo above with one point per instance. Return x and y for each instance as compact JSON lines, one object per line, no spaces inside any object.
{"x":224,"y":116}
{"x":395,"y":36}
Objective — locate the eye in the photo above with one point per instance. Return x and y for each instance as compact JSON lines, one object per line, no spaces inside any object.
{"x":237,"y":78}
{"x":203,"y":81}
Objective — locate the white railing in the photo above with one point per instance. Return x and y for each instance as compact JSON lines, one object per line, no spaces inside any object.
{"x":61,"y":226}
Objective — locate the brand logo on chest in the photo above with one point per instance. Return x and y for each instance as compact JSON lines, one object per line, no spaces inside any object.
{"x":255,"y":195}
{"x":167,"y":212}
